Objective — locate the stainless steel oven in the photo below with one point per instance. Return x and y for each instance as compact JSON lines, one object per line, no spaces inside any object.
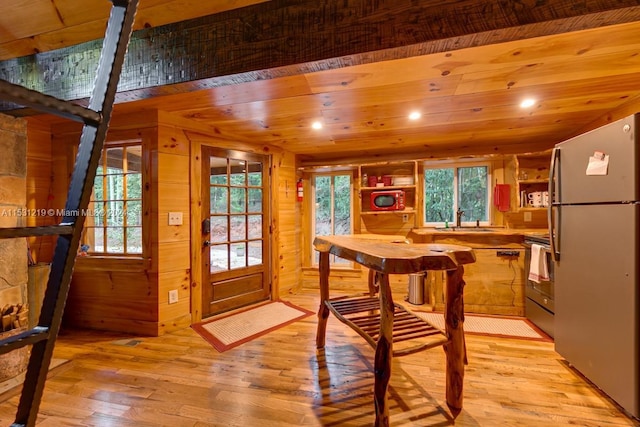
{"x":539,"y":301}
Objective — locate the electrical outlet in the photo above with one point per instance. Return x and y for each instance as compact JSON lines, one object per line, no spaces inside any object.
{"x":405,"y":217}
{"x":175,"y":218}
{"x":508,"y":253}
{"x":527,"y":217}
{"x":173,"y":296}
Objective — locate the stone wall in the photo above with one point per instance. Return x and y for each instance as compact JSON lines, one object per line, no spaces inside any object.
{"x":13,"y":170}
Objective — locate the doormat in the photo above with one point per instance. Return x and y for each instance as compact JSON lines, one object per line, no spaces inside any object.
{"x":227,"y":332}
{"x":489,"y":325}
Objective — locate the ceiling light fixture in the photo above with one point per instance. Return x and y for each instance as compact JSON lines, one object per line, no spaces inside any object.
{"x":526,"y":103}
{"x":415,"y":115}
{"x":316,"y":125}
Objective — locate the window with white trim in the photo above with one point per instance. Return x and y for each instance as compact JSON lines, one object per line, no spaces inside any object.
{"x":456,"y":188}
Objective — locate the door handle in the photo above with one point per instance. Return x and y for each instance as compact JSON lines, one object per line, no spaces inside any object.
{"x":555,"y":154}
{"x":206,"y":226}
{"x":206,"y":243}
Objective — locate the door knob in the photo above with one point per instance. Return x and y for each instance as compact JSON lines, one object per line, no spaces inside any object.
{"x":206,"y":243}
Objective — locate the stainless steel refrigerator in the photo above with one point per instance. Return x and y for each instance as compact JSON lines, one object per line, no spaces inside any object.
{"x":594,"y":219}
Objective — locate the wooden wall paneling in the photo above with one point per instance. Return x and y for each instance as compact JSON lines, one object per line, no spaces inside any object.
{"x":114,"y":301}
{"x":419,"y":207}
{"x":306,"y":232}
{"x":511,"y":177}
{"x":39,"y":187}
{"x":149,"y":137}
{"x":171,"y":182}
{"x":195,"y":206}
{"x":516,"y":219}
{"x":173,"y":256}
{"x":174,"y":316}
{"x":172,"y":198}
{"x":278,"y":184}
{"x":387,"y":222}
{"x":287,"y":216}
{"x":498,"y":176}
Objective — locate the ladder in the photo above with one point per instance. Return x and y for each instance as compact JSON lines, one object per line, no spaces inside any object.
{"x":95,"y":119}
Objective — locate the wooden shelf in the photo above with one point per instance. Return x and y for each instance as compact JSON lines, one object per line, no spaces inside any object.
{"x":388,"y":187}
{"x":385,"y":222}
{"x":532,"y":175}
{"x":406,"y":211}
{"x":528,"y":208}
{"x":533,"y":181}
{"x":362,"y":314}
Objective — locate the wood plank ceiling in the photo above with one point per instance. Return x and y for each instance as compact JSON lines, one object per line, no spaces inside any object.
{"x":578,"y":65}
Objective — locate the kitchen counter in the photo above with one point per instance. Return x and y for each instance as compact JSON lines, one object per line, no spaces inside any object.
{"x":479,"y":230}
{"x":495,"y":282}
{"x":475,"y":237}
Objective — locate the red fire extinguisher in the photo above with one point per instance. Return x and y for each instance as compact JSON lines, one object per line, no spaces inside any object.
{"x":299,"y":190}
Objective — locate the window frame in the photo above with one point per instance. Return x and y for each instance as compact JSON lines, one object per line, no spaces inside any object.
{"x":345,"y":264}
{"x":455,"y":165}
{"x":86,"y":239}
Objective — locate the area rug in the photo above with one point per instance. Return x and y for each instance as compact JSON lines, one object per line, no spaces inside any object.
{"x":488,"y":325}
{"x":227,"y":332}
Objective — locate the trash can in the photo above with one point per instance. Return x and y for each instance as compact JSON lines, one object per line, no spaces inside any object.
{"x":416,"y":289}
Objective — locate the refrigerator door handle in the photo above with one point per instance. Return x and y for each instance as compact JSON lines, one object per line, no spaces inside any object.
{"x":553,"y":234}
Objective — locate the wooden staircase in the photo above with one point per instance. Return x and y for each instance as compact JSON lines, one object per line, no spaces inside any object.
{"x":96,"y":119}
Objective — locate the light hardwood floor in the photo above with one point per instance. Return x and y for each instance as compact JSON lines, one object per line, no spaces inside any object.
{"x":280,"y":380}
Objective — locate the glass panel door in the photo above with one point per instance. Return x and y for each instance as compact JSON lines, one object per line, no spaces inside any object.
{"x":235,"y":208}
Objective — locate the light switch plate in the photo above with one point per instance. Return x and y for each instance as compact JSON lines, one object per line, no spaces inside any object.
{"x":527,"y":217}
{"x":175,"y":218}
{"x":173,"y":296}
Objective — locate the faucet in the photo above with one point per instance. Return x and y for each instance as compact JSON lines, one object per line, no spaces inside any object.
{"x":459,"y":214}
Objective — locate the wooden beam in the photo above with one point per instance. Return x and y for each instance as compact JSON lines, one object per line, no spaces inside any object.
{"x":288,"y":37}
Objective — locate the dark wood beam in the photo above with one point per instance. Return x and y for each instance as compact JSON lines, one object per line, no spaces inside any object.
{"x":288,"y":37}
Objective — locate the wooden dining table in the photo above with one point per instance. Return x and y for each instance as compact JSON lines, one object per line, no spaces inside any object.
{"x":372,"y":316}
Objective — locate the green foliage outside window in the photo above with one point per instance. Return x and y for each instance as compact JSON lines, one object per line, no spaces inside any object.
{"x":438,"y":184}
{"x":332,"y":208}
{"x":473,"y":193}
{"x":114,"y":225}
{"x":453,"y":188}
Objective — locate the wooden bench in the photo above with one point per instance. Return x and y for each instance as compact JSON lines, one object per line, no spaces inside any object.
{"x":383,"y":323}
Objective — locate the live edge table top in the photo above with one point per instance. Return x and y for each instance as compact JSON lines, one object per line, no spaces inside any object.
{"x":393,"y":256}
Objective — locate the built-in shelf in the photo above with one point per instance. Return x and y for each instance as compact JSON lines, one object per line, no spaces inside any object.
{"x":388,"y":187}
{"x":405,"y":211}
{"x":532,"y":176}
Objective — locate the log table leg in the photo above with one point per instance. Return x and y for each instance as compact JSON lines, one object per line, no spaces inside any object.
{"x":384,"y":353}
{"x":455,"y":349}
{"x":323,"y":310}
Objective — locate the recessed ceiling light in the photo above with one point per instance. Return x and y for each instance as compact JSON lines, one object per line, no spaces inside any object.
{"x":526,"y":103}
{"x":415,"y":115}
{"x":316,"y":125}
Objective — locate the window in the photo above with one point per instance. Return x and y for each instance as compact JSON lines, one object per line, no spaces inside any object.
{"x":448,"y":189}
{"x":114,"y":221}
{"x":236,"y":212}
{"x":332,"y":208}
